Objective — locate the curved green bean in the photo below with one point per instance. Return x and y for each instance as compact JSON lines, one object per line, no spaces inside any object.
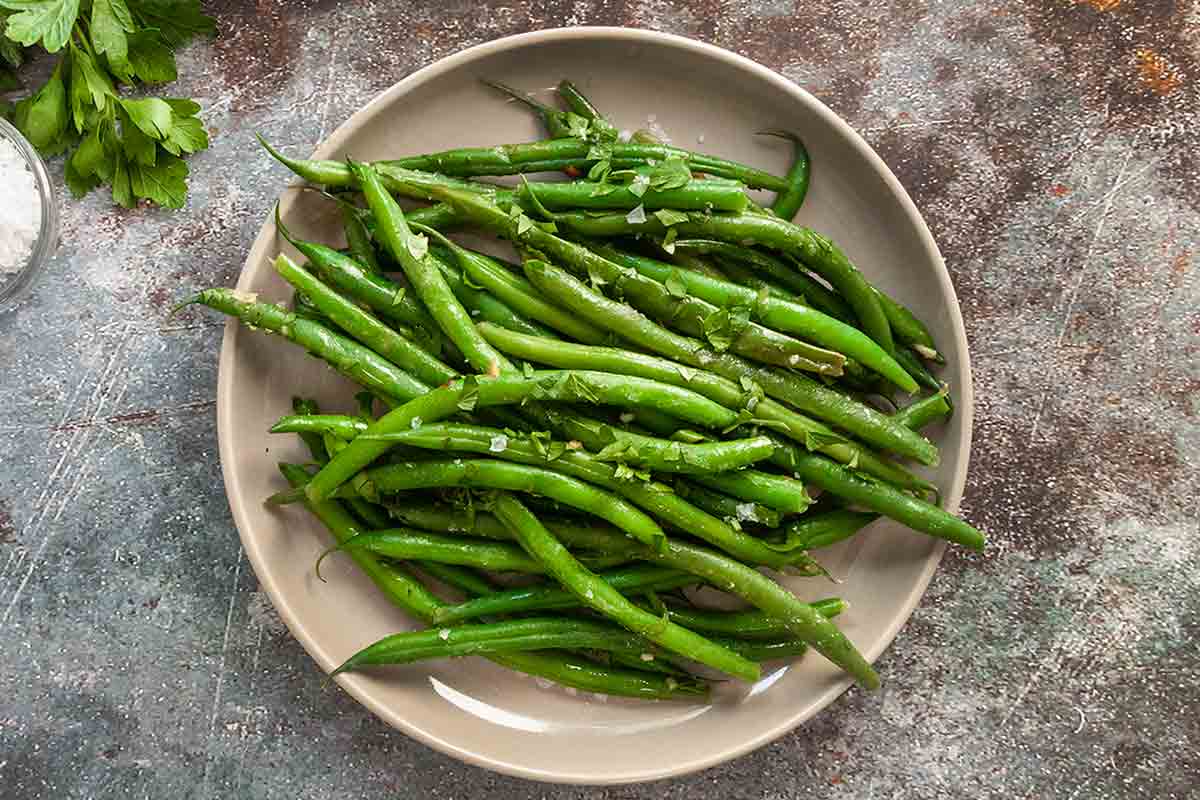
{"x":908,"y":328}
{"x":409,"y":251}
{"x":363,"y":283}
{"x":788,"y":202}
{"x":593,"y":592}
{"x":560,"y":386}
{"x":539,"y":633}
{"x":584,"y":107}
{"x":878,"y":497}
{"x":482,"y":305}
{"x":516,"y":292}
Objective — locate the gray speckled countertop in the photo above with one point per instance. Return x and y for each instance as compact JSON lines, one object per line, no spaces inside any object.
{"x":1052,"y":146}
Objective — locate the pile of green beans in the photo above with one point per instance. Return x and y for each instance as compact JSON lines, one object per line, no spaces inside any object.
{"x":663,"y":391}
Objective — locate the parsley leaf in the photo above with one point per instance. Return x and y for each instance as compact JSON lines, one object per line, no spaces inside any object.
{"x":723,"y":326}
{"x":151,"y":114}
{"x":10,"y":52}
{"x":177,"y":21}
{"x":150,"y":59}
{"x":671,"y":173}
{"x":669,"y":217}
{"x":577,"y":126}
{"x":47,"y":21}
{"x":111,"y":22}
{"x":164,"y":183}
{"x":676,"y":287}
{"x":43,"y":117}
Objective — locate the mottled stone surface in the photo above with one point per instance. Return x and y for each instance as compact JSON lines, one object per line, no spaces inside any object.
{"x":1051,"y":145}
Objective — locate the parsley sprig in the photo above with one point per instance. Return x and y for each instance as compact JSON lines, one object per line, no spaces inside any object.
{"x":135,"y":144}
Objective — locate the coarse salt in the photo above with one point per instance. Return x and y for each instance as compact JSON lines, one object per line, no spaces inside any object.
{"x":20,"y":209}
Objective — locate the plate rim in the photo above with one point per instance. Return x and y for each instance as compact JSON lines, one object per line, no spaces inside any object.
{"x":238,"y":503}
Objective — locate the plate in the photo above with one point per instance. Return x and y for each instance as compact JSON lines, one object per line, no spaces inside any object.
{"x":704,"y":98}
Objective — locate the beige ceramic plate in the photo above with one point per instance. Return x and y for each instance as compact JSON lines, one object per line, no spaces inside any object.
{"x":704,"y":98}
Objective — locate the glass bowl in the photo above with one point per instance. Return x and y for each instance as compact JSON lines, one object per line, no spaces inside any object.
{"x":14,"y":286}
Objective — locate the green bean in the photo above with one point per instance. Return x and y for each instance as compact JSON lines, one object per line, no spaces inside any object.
{"x":490,"y":474}
{"x":696,"y":195}
{"x":516,"y":292}
{"x":916,"y":368}
{"x":374,"y":516}
{"x":593,"y":592}
{"x":409,"y":594}
{"x":410,"y":252}
{"x":692,"y":262}
{"x":782,"y":315}
{"x":306,"y":409}
{"x":745,"y":624}
{"x":773,"y":491}
{"x":340,"y":425}
{"x":350,"y":276}
{"x":553,"y":118}
{"x":814,"y":250}
{"x":908,"y":329}
{"x":821,"y":530}
{"x":358,"y":238}
{"x":878,"y":497}
{"x":794,"y":389}
{"x":539,"y":633}
{"x":918,"y":414}
{"x":576,"y":533}
{"x":726,"y":507}
{"x":542,"y":598}
{"x":484,"y":306}
{"x":655,"y":498}
{"x":364,"y":327}
{"x":730,"y":394}
{"x":409,"y":545}
{"x":739,"y":273}
{"x":788,"y":276}
{"x":788,"y":202}
{"x":470,"y":582}
{"x":360,"y":364}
